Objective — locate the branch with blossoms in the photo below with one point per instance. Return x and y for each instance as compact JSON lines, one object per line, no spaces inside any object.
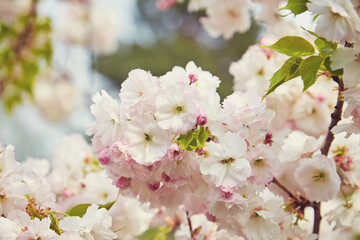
{"x":300,"y":201}
{"x":172,"y":158}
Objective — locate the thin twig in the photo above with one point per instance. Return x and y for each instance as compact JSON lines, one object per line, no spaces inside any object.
{"x":189,"y":223}
{"x":291,"y":195}
{"x":25,"y":36}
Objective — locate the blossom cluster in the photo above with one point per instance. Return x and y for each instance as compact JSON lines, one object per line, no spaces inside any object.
{"x":338,"y":19}
{"x":172,"y":152}
{"x":38,"y":204}
{"x":172,"y":143}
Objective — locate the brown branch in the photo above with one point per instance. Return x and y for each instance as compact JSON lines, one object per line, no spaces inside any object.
{"x":291,"y":195}
{"x":317,"y":217}
{"x":190,"y":225}
{"x":25,"y":36}
{"x":335,"y":118}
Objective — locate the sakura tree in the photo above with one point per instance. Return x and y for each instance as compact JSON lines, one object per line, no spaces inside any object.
{"x":277,"y":159}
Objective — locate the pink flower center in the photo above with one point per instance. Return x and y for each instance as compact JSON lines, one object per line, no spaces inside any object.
{"x":193,"y":78}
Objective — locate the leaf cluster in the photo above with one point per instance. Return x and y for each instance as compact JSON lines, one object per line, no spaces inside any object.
{"x":25,"y":45}
{"x":304,"y":61}
{"x":193,"y":139}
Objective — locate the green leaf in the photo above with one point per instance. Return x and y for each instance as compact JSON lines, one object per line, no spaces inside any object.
{"x":327,"y":63}
{"x":185,"y":140}
{"x":156,"y":234}
{"x":29,"y":71}
{"x":324,"y":46}
{"x":293,"y":46}
{"x":107,"y":206}
{"x":288,"y":71}
{"x":296,"y":6}
{"x":193,"y":144}
{"x":194,"y":139}
{"x":78,"y":210}
{"x":202,"y":136}
{"x":308,"y":70}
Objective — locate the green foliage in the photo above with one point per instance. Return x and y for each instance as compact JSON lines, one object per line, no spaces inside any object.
{"x":324,"y":46}
{"x":296,"y":6}
{"x":107,"y":206}
{"x":288,"y":71}
{"x":293,"y":46}
{"x":25,"y":45}
{"x":308,"y":70}
{"x":157,"y":234}
{"x":193,"y":139}
{"x":80,"y":209}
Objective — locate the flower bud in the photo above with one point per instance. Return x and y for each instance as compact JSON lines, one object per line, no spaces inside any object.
{"x":193,"y":78}
{"x":174,"y":152}
{"x":201,"y":120}
{"x":103,"y":156}
{"x":123,"y":182}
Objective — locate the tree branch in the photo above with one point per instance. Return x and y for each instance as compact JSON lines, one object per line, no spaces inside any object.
{"x":291,"y":195}
{"x":335,"y":118}
{"x":25,"y":36}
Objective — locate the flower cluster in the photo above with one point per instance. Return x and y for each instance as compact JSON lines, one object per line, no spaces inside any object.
{"x":33,"y":200}
{"x":172,"y":143}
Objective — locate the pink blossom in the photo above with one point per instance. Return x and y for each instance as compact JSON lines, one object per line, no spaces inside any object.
{"x":226,"y":192}
{"x":174,"y":152}
{"x":67,"y":193}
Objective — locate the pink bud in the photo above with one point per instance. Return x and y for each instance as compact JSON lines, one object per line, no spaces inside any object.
{"x":174,"y":152}
{"x":67,"y":193}
{"x":193,"y":77}
{"x":165,"y":5}
{"x":210,"y":217}
{"x":201,"y":120}
{"x":103,"y":156}
{"x":123,"y":182}
{"x":155,"y":186}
